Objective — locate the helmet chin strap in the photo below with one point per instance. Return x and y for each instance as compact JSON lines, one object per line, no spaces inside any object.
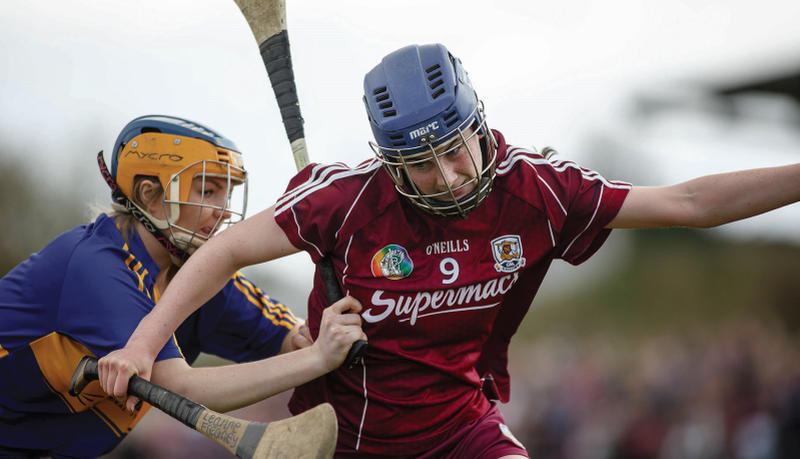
{"x":177,"y":255}
{"x":189,"y":242}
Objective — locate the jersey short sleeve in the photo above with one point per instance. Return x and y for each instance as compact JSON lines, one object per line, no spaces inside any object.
{"x":593,"y":203}
{"x":578,"y":202}
{"x":240,"y":323}
{"x":309,"y":207}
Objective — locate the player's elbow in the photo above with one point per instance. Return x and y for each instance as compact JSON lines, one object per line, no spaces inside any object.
{"x":692,"y":211}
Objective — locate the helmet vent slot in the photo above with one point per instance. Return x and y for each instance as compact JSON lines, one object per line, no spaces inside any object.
{"x":384,"y":102}
{"x":451,"y":118}
{"x":432,"y":68}
{"x":397,"y":140}
{"x":435,"y":77}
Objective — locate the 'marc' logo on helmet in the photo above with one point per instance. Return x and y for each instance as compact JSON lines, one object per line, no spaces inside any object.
{"x":423,"y":130}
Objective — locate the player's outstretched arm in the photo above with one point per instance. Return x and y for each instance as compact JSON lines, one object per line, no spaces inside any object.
{"x":229,"y":387}
{"x":255,"y":240}
{"x":711,"y":200}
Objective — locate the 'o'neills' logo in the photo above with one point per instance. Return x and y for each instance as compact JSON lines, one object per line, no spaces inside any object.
{"x":392,"y":262}
{"x":422,"y":304}
{"x":507,"y":252}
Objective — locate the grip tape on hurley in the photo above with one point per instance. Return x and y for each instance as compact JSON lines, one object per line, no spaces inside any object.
{"x":278,"y":60}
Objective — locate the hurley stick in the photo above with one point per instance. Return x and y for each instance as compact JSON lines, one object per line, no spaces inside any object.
{"x":267,"y":20}
{"x":311,"y":434}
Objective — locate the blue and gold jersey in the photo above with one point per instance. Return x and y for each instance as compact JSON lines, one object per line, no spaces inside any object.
{"x":84,"y":293}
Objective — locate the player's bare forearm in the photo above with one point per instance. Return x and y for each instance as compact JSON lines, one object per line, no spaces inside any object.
{"x":200,"y":278}
{"x":230,"y":387}
{"x":254,"y":240}
{"x":725,"y":198}
{"x":234,"y":386}
{"x":711,"y":200}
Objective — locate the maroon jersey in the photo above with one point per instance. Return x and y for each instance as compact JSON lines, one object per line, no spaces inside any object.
{"x":441,"y":295}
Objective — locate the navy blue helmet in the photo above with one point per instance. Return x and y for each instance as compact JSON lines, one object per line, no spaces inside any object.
{"x":419,"y":99}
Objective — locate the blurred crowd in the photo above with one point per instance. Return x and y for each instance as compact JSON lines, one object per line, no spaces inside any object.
{"x":725,"y":391}
{"x":729,"y":391}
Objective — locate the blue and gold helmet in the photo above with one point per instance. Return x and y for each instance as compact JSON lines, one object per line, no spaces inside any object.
{"x":178,"y":151}
{"x":420,"y":98}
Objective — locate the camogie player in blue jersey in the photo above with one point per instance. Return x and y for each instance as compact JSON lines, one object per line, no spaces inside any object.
{"x":173,"y":185}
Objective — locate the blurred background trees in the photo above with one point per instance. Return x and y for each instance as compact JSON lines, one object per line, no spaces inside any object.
{"x":34,"y":209}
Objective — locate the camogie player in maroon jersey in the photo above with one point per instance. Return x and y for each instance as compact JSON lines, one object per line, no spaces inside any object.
{"x":444,"y":238}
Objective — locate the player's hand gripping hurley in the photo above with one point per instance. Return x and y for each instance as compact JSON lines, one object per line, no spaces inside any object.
{"x":267,"y":20}
{"x":311,"y":434}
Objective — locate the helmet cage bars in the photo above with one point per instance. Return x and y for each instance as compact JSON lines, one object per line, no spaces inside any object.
{"x":396,"y":162}
{"x":421,"y":105}
{"x":176,"y":194}
{"x":177,"y":151}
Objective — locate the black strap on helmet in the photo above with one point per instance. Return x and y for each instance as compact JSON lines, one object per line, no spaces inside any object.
{"x":120,"y":198}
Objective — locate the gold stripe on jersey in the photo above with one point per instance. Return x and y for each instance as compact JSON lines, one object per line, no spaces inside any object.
{"x":3,"y":352}
{"x":276,"y":312}
{"x":141,"y":275}
{"x":136,"y":266}
{"x":271,"y":306}
{"x":58,"y":356}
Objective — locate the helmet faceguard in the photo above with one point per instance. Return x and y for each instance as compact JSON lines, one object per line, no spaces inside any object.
{"x":177,"y":152}
{"x":421,"y":106}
